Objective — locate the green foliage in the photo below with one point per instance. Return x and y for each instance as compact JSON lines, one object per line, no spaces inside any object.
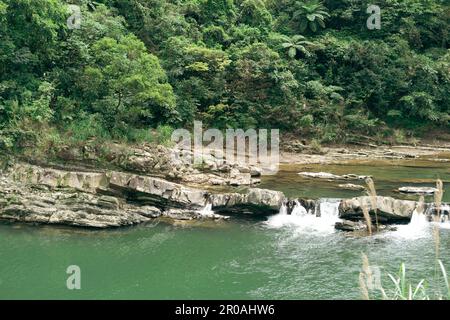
{"x":295,"y":45}
{"x":125,"y":84}
{"x":310,"y":68}
{"x":310,"y":14}
{"x":404,"y":290}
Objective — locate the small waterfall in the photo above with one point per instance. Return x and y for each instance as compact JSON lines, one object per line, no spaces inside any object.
{"x":329,"y":209}
{"x":323,"y":220}
{"x":207,"y":211}
{"x":418,"y":220}
{"x":299,"y":210}
{"x":444,"y":216}
{"x":417,"y":228}
{"x":283,"y":210}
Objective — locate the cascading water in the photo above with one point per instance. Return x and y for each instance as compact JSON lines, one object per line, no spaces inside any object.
{"x":329,"y":209}
{"x":444,"y":217}
{"x":283,"y":210}
{"x":207,"y":211}
{"x":418,"y":220}
{"x":299,"y":210}
{"x":323,"y":220}
{"x":420,"y":225}
{"x":416,"y":228}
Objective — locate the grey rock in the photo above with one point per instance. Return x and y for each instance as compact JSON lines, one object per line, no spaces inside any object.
{"x":350,"y":186}
{"x":388,"y":208}
{"x":149,"y":212}
{"x":418,"y":190}
{"x":330,"y":176}
{"x":347,"y":225}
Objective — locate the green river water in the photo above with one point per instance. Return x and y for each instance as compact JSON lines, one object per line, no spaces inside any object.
{"x":245,"y":258}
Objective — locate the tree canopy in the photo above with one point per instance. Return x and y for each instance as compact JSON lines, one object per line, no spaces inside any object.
{"x":310,"y":68}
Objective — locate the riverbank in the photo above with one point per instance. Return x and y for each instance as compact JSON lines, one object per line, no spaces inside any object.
{"x":334,"y":155}
{"x":116,"y":186}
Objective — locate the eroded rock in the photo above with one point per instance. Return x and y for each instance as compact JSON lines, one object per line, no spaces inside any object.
{"x":30,"y":193}
{"x":388,"y":208}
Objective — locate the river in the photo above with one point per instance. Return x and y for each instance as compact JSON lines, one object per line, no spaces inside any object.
{"x":276,"y":257}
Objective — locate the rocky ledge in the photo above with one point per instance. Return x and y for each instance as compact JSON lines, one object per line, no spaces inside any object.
{"x":168,"y":163}
{"x":30,"y":193}
{"x":388,"y":211}
{"x":103,"y":199}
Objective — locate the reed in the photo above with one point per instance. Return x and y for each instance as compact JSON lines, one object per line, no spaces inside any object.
{"x":421,"y":205}
{"x":367,"y":217}
{"x":364,"y":277}
{"x":402,"y":288}
{"x":438,"y":195}
{"x":436,"y":219}
{"x":372,"y":192}
{"x":363,"y":287}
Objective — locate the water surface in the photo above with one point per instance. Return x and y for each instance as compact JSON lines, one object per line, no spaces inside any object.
{"x":273,"y":258}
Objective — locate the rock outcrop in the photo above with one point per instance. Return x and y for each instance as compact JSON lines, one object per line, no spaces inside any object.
{"x":43,"y":204}
{"x":167,"y":163}
{"x":389,"y":209}
{"x":30,"y":193}
{"x":258,"y":199}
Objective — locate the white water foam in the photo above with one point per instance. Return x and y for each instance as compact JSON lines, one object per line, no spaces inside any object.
{"x":299,"y":210}
{"x":207,"y":211}
{"x":417,"y":228}
{"x":283,"y":210}
{"x":444,"y":222}
{"x":300,"y":219}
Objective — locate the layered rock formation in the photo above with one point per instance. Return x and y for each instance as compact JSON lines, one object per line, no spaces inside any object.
{"x":30,"y":193}
{"x":171,"y":164}
{"x":388,"y":209}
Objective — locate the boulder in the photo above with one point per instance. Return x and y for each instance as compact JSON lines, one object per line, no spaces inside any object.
{"x":54,"y":178}
{"x":265,"y":198}
{"x":260,"y":200}
{"x":79,"y":212}
{"x":347,"y":225}
{"x":358,"y":226}
{"x":149,"y":211}
{"x":182,"y":214}
{"x":389,"y":209}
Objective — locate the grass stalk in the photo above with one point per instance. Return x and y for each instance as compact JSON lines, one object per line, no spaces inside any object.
{"x":372,"y":192}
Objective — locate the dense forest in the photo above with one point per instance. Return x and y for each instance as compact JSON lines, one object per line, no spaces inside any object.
{"x":135,"y":68}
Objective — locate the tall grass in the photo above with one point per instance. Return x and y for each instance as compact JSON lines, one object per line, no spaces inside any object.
{"x":372,"y":192}
{"x":364,"y":278}
{"x":366,"y":214}
{"x":436,"y":219}
{"x":402,"y":289}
